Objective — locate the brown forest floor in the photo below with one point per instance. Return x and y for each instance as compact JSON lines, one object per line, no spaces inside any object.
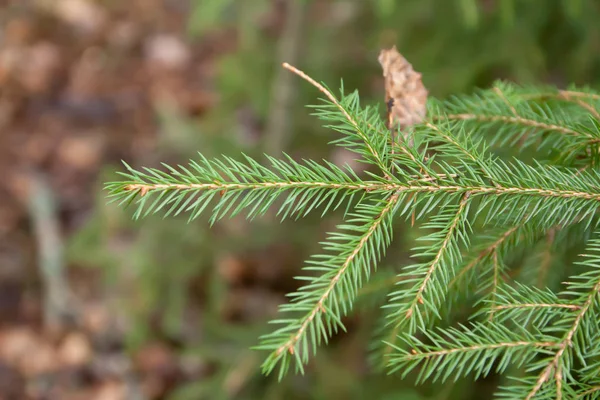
{"x":78,"y":82}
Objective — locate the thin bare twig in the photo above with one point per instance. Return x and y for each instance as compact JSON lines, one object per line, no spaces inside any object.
{"x":334,"y":100}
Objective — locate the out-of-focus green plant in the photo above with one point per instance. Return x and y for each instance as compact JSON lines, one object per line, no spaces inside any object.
{"x":207,"y":15}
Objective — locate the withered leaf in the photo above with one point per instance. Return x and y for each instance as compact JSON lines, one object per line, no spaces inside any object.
{"x":405,"y":94}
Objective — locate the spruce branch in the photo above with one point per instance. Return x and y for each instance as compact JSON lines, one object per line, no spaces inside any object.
{"x":575,"y":97}
{"x":546,"y":259}
{"x":255,"y":187}
{"x":474,"y":349}
{"x":491,"y":246}
{"x":589,"y":393}
{"x":524,"y":305}
{"x":518,"y":121}
{"x":497,"y":270}
{"x":326,"y":298}
{"x":481,"y":212}
{"x":427,"y":282}
{"x":511,"y":115}
{"x":579,"y":326}
{"x":581,"y":99}
{"x":252,"y":186}
{"x":555,"y":363}
{"x":579,"y":94}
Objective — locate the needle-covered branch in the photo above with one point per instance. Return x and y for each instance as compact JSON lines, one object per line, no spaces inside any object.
{"x":316,"y":310}
{"x":237,"y":186}
{"x":477,"y":349}
{"x":484,"y":209}
{"x":248,"y":186}
{"x":423,"y":285}
{"x":522,"y":118}
{"x":574,"y":332}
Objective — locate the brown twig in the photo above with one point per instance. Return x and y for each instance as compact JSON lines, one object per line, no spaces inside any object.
{"x":335,"y":101}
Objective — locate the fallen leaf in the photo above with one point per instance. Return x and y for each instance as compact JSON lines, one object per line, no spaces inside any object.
{"x":96,"y":318}
{"x":155,"y":358}
{"x":167,"y":51}
{"x":75,"y":351}
{"x":111,"y":391}
{"x":81,"y":152}
{"x":84,"y":15}
{"x":405,"y":94}
{"x":39,"y":66}
{"x":12,"y":383}
{"x":19,"y":31}
{"x":16,"y":344}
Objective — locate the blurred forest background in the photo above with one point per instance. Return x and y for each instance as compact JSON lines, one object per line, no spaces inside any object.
{"x":96,"y":306}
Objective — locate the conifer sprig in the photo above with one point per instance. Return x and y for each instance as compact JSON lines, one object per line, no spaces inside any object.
{"x":474,"y":349}
{"x":426,"y":282}
{"x":480,"y":211}
{"x":321,"y":303}
{"x":509,"y":116}
{"x":581,"y":325}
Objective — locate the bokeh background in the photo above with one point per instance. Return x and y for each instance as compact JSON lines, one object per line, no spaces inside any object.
{"x":96,"y":306}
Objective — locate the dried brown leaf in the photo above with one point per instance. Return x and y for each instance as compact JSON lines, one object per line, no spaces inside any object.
{"x":75,"y":351}
{"x":405,"y":94}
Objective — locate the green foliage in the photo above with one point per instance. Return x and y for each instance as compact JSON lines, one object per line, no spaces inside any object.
{"x":480,"y":208}
{"x":325,"y":298}
{"x":211,"y":14}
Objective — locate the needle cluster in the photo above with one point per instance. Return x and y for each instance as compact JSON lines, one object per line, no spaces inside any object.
{"x":534,"y":315}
